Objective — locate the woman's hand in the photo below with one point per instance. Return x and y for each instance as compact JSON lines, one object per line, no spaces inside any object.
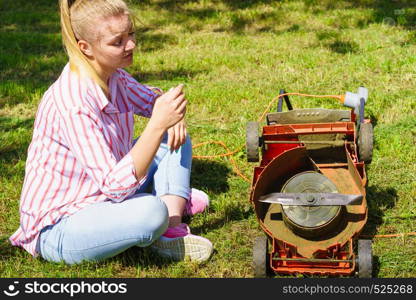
{"x":169,"y":108}
{"x":177,"y":135}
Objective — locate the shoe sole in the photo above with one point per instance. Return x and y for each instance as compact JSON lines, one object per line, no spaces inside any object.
{"x":190,"y":246}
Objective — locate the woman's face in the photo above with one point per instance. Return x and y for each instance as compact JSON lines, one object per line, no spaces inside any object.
{"x":113,"y":44}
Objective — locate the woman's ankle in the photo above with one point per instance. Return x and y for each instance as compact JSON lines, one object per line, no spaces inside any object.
{"x":174,"y":221}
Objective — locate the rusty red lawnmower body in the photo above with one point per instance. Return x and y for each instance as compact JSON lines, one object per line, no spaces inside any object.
{"x":308,"y":191}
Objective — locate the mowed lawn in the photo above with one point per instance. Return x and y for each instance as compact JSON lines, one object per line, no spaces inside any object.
{"x":233,"y":56}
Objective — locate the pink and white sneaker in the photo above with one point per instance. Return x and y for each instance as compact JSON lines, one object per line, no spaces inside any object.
{"x":197,"y":203}
{"x":178,"y":243}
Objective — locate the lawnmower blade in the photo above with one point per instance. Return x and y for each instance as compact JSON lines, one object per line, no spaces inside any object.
{"x":312,"y":199}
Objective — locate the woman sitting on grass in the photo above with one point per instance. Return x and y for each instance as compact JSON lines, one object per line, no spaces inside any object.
{"x":83,"y":196}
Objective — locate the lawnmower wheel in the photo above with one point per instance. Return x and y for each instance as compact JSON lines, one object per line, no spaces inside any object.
{"x":252,"y":141}
{"x":365,"y":259}
{"x":365,"y":142}
{"x":260,"y":257}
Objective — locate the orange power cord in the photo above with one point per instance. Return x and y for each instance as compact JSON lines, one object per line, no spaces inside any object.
{"x":341,"y":98}
{"x":229,"y":152}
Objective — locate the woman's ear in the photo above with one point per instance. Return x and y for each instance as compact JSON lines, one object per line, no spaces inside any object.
{"x":85,"y":48}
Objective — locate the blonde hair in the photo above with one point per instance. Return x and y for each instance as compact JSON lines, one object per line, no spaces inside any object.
{"x":78,"y":17}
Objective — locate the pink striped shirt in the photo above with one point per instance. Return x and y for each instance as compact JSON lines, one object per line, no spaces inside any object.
{"x":79,"y":154}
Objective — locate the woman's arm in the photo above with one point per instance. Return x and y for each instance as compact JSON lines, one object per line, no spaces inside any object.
{"x":169,"y":109}
{"x":141,"y":97}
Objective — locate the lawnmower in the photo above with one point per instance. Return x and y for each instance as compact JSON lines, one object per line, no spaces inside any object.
{"x":308,"y":192}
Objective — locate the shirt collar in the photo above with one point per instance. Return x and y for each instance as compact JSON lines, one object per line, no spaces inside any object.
{"x":104,"y":104}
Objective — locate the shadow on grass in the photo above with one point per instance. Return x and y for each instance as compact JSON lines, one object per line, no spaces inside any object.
{"x":148,"y":41}
{"x":376,"y":266}
{"x":393,"y":13}
{"x":231,"y":4}
{"x":7,"y":251}
{"x":210,"y":176}
{"x":344,"y":47}
{"x":179,"y":74}
{"x":15,"y":135}
{"x":10,"y":123}
{"x":141,"y":258}
{"x":232,"y":213}
{"x":31,"y":48}
{"x":193,"y":19}
{"x":378,"y":200}
{"x":331,"y":40}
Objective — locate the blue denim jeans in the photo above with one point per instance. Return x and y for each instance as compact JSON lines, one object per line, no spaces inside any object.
{"x":105,"y":229}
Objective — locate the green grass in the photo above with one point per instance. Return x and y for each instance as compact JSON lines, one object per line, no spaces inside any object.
{"x":233,"y":57}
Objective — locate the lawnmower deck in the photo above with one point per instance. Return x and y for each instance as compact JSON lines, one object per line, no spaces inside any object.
{"x":348,"y":180}
{"x":309,"y":156}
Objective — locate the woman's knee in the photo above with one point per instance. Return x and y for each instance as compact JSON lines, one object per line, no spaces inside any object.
{"x":158,"y":216}
{"x":152,"y":221}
